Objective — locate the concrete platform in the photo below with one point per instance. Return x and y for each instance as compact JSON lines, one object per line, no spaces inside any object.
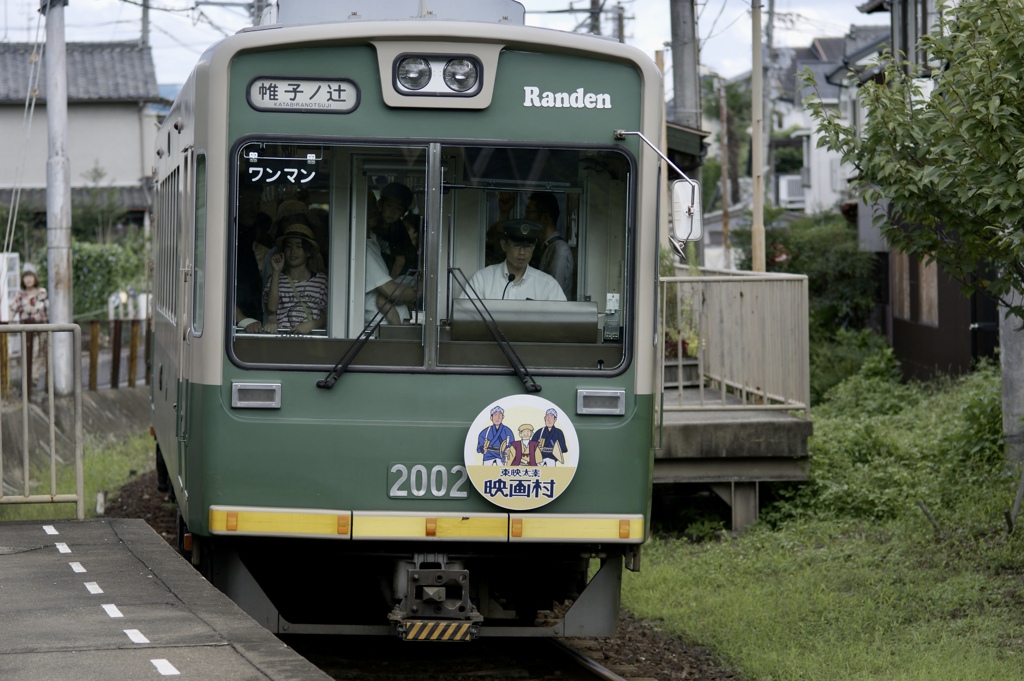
{"x":730,"y":448}
{"x":108,"y":599}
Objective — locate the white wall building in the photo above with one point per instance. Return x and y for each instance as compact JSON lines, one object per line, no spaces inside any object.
{"x":111,"y":120}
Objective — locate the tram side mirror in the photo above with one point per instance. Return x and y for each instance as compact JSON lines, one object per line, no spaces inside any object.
{"x":687,"y":218}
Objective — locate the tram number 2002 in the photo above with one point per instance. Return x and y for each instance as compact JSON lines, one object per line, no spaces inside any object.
{"x":433,"y":481}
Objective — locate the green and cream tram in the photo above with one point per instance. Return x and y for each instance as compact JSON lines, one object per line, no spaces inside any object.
{"x":380,"y":407}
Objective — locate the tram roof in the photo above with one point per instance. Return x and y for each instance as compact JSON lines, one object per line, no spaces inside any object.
{"x":293,"y":12}
{"x":97,"y":72}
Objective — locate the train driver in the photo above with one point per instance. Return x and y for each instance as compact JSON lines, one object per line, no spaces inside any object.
{"x":514,"y":279}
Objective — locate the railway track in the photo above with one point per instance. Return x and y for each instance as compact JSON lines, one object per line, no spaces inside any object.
{"x":522,"y":659}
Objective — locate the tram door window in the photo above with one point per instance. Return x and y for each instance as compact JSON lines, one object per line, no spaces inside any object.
{"x":388,"y":219}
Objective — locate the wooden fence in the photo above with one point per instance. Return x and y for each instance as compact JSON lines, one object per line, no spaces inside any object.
{"x":100,"y":362}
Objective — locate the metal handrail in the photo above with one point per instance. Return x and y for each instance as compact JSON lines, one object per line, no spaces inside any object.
{"x":78,"y":498}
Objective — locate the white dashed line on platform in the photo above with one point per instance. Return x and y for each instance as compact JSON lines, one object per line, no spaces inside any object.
{"x":136,"y":636}
{"x":112,"y":610}
{"x":62,"y":547}
{"x":93,"y":588}
{"x":76,"y":566}
{"x":50,"y":529}
{"x":165,"y":668}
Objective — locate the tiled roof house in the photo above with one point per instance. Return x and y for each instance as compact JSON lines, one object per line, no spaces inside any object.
{"x":111,"y":122}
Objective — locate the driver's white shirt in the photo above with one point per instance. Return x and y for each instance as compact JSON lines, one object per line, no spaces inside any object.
{"x":490,"y":284}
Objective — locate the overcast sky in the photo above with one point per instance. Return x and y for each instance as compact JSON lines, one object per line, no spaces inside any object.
{"x":178,"y":37}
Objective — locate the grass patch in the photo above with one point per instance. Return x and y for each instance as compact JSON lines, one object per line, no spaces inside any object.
{"x":824,"y":601}
{"x":107,"y":466}
{"x":846,"y":578}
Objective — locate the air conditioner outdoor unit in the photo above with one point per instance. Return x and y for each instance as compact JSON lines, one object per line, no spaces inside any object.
{"x":791,"y":192}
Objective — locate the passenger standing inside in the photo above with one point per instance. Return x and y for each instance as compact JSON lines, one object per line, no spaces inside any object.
{"x":380,"y":285}
{"x":396,"y":244}
{"x":492,"y":249}
{"x":556,"y":256}
{"x":296,"y":294}
{"x":31,"y":306}
{"x":252,"y":223}
{"x":514,"y":279}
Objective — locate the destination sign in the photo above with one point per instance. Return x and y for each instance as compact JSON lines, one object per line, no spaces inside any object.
{"x":303,"y":95}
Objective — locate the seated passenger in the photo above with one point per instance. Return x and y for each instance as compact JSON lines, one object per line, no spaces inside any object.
{"x":296,"y":294}
{"x":514,"y":279}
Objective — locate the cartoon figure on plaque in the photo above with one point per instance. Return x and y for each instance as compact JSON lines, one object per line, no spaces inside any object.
{"x":528,"y":472}
{"x":523,"y":448}
{"x":495,"y":439}
{"x":551,"y":441}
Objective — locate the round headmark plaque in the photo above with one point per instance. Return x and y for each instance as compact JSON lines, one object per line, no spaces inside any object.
{"x":521,"y":452}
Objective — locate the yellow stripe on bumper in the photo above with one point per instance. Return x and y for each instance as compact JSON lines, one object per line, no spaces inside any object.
{"x":432,"y":630}
{"x":280,"y":522}
{"x":383,"y":525}
{"x":430,"y":526}
{"x":627,"y":529}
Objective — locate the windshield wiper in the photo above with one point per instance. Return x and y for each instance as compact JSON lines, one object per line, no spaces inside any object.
{"x":500,"y":338}
{"x":364,"y":336}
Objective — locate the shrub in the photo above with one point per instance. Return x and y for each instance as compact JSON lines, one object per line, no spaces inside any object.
{"x":840,"y":356}
{"x":880,"y":447}
{"x":99,"y":270}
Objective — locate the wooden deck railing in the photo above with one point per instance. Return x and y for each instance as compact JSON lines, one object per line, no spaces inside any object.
{"x":751,"y":335}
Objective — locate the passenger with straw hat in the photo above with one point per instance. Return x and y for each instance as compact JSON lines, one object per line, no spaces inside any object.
{"x":296,"y":295}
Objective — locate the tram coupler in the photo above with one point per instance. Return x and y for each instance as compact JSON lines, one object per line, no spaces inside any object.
{"x":435,"y":603}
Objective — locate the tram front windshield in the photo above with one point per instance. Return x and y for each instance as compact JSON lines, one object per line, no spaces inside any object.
{"x":424,"y":249}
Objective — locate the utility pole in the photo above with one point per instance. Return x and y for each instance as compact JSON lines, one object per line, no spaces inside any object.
{"x":723,"y":117}
{"x":685,"y":84}
{"x":769,"y":162}
{"x":756,"y":146}
{"x":58,"y":197}
{"x":144,"y":37}
{"x":595,"y":16}
{"x":663,"y":241}
{"x":257,"y":10}
{"x":620,"y":22}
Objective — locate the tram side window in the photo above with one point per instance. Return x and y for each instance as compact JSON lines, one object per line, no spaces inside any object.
{"x":282,"y":242}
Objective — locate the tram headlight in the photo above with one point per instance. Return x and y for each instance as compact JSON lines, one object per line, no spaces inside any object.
{"x":458,"y":75}
{"x":461,"y":75}
{"x":413,"y":72}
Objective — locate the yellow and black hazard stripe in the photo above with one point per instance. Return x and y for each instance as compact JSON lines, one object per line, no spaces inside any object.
{"x":436,"y":630}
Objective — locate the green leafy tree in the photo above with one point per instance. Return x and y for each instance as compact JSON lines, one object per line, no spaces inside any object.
{"x":945,"y":153}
